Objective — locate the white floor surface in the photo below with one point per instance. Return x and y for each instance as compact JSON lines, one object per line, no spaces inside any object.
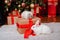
{"x":9,"y":32}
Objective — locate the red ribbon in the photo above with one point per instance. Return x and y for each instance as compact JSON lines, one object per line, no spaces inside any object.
{"x":28,"y":31}
{"x":36,"y":5}
{"x":17,"y":14}
{"x":30,"y":23}
{"x":34,"y":11}
{"x":25,"y":25}
{"x":12,"y":19}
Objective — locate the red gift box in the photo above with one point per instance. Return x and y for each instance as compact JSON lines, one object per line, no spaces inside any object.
{"x":24,"y":26}
{"x":15,"y":13}
{"x":28,"y":25}
{"x":27,"y":31}
{"x":12,"y":20}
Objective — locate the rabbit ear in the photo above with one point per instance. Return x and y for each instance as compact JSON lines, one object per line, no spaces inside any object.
{"x":37,"y":22}
{"x":32,"y":27}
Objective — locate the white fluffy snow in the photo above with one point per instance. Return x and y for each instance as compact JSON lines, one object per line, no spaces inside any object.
{"x":9,"y":32}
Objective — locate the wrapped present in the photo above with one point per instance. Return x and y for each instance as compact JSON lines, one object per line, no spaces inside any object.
{"x":24,"y":24}
{"x":15,"y":12}
{"x":12,"y":20}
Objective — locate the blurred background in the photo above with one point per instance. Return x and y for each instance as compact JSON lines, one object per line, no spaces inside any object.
{"x":7,"y":6}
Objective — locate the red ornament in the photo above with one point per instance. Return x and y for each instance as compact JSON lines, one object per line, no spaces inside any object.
{"x":34,"y":11}
{"x":23,"y":4}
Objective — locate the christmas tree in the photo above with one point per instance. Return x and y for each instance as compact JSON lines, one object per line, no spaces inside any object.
{"x":21,"y":5}
{"x":2,"y":15}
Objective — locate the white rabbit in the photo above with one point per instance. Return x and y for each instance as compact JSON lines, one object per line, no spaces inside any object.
{"x":27,"y":14}
{"x":42,"y":28}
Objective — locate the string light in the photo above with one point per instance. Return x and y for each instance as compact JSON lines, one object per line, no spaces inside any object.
{"x":19,"y":5}
{"x":32,"y":5}
{"x":19,"y":10}
{"x":6,"y":1}
{"x":6,"y":9}
{"x":15,"y":8}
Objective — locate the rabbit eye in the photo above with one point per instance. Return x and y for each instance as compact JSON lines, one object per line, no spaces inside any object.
{"x":33,"y":27}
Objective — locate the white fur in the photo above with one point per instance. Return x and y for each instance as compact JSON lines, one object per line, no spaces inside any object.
{"x":27,"y":14}
{"x":38,"y":29}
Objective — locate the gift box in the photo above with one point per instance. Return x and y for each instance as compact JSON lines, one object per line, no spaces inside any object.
{"x":12,"y":20}
{"x":15,"y":12}
{"x":21,"y":31}
{"x":25,"y":24}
